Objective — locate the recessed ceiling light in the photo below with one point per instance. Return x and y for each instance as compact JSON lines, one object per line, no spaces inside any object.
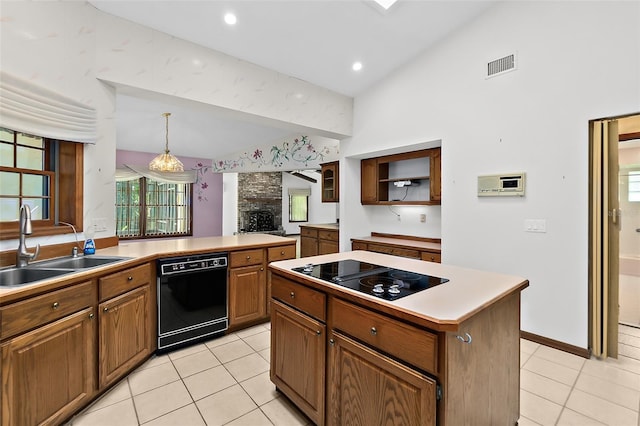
{"x":357,"y":66}
{"x":230,"y":18}
{"x":386,"y":4}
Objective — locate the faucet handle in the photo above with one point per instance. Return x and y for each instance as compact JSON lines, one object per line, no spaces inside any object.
{"x":34,"y":256}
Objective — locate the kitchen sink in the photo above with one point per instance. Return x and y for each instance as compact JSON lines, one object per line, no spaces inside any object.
{"x":38,"y":271}
{"x":20,"y":276}
{"x":80,"y":262}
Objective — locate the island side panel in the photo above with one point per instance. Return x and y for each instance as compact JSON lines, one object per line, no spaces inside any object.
{"x":483,"y":376}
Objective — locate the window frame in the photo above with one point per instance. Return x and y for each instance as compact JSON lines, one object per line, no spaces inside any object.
{"x":290,"y":210}
{"x":67,"y":198}
{"x":143,"y":215}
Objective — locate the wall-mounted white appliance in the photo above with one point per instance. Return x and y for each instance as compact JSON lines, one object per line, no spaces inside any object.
{"x":503,"y":185}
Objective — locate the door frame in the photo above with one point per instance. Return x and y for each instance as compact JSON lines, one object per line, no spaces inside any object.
{"x":604,"y":226}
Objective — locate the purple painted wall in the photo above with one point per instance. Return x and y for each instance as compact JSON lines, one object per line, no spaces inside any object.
{"x":207,"y":191}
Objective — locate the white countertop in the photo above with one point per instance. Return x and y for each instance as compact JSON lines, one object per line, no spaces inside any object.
{"x":445,"y":306}
{"x":147,"y":250}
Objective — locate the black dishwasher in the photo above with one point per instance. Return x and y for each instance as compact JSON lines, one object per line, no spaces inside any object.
{"x":192,"y":299}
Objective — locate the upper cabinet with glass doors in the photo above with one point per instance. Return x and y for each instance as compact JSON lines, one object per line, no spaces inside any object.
{"x":330,"y":182}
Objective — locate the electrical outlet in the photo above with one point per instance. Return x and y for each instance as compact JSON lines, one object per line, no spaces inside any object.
{"x":99,"y":224}
{"x":423,"y":218}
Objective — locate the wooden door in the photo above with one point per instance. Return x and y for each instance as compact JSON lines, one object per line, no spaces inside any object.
{"x":298,"y":359}
{"x":368,"y":388}
{"x":247,"y":294}
{"x":369,"y":181}
{"x":308,"y":246}
{"x":604,"y":234}
{"x":49,"y":373}
{"x":125,"y":334}
{"x":435,"y":166}
{"x":330,"y":183}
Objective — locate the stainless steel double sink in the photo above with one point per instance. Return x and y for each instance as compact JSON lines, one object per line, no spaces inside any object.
{"x":46,"y":269}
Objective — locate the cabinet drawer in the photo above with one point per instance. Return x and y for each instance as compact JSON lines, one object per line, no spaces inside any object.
{"x":328,"y":235}
{"x":394,"y":251}
{"x":123,"y":281}
{"x":246,"y":258}
{"x":308,"y":232}
{"x":303,"y":298}
{"x":403,"y":341}
{"x":431,"y":257}
{"x":355,"y":245}
{"x":281,"y":253}
{"x":22,"y":316}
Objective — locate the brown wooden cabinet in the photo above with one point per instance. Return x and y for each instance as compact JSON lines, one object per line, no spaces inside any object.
{"x":49,"y":373}
{"x":247,"y":294}
{"x":298,"y":345}
{"x":330,"y":182}
{"x":125,"y":337}
{"x":382,"y":368}
{"x":411,"y":178}
{"x":318,"y":239}
{"x":423,"y":248}
{"x":247,"y":287}
{"x":366,"y":385}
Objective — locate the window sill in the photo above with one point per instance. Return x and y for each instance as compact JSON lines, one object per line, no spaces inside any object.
{"x":12,"y":233}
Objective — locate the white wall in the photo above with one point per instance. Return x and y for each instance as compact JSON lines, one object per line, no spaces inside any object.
{"x":319,"y":212}
{"x":73,"y":49}
{"x":576,"y":61}
{"x":229,"y":203}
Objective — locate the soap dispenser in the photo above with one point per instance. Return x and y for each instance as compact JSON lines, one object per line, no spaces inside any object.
{"x":89,"y":244}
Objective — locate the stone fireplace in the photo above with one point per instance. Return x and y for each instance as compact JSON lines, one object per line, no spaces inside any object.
{"x":260,"y":202}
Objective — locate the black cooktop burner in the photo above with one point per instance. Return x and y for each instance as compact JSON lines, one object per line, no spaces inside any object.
{"x":387,"y":283}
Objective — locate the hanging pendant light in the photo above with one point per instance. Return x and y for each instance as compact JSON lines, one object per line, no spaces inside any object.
{"x":166,"y":162}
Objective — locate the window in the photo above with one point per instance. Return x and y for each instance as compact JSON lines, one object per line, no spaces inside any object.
{"x":299,"y":205}
{"x":634,"y":186}
{"x":147,"y":208}
{"x":29,"y":174}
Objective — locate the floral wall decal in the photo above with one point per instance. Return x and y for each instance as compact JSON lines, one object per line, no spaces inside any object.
{"x":200,"y":185}
{"x":298,"y":154}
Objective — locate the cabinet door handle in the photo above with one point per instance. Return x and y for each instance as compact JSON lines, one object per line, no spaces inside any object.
{"x":466,"y":339}
{"x":282,"y":253}
{"x":91,"y":315}
{"x":129,"y":278}
{"x":105,"y":309}
{"x":292,"y":294}
{"x":248,"y":257}
{"x":318,"y":332}
{"x":55,"y":305}
{"x":332,"y":342}
{"x":262,"y":269}
{"x":374,"y":331}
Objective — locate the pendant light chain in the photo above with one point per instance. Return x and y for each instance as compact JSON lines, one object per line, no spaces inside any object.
{"x":166,"y":146}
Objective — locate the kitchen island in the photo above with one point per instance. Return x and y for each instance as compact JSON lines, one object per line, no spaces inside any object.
{"x":447,"y":355}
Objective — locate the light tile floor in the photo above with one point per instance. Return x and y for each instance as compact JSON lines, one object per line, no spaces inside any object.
{"x":225,"y":381}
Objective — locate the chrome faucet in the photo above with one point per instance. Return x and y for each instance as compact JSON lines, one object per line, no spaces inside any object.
{"x":22,"y":255}
{"x":74,"y":250}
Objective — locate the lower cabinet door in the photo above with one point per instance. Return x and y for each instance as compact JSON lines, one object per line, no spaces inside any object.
{"x":298,"y":345}
{"x":368,"y":388}
{"x":124,"y":333}
{"x":49,"y":373}
{"x":247,"y":294}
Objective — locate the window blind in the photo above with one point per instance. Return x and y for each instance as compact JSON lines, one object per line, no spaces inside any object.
{"x":33,"y":109}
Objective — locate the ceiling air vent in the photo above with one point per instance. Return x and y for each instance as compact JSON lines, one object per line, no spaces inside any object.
{"x":501,"y":66}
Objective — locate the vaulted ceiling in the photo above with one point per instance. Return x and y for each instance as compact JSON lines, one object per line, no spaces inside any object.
{"x":313,"y":40}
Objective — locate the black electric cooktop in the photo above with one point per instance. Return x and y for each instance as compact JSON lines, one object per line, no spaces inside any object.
{"x":381,"y":281}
